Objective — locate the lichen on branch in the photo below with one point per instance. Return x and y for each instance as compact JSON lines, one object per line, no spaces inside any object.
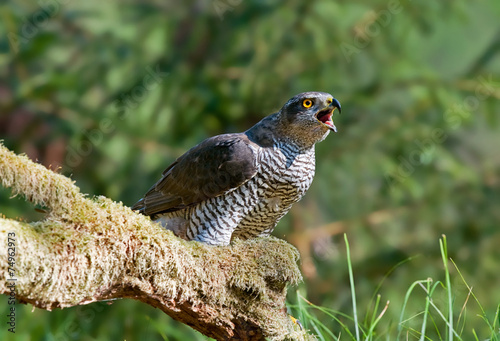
{"x":88,"y":250}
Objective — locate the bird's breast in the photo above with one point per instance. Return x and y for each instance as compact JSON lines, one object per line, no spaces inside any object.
{"x":285,"y":173}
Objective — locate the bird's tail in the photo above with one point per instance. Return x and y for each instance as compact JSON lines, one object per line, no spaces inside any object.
{"x":139,"y":206}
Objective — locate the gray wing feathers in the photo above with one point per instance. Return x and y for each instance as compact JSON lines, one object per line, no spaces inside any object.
{"x":212,"y":168}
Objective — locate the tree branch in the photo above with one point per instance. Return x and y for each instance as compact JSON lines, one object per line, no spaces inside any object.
{"x":88,"y":250}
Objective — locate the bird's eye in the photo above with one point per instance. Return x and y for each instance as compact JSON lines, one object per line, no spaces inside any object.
{"x":307,"y":103}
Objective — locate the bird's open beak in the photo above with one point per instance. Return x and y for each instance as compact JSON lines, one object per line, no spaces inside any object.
{"x":325,"y":115}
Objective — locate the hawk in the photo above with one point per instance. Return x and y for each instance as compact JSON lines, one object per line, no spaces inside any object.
{"x":240,"y":185}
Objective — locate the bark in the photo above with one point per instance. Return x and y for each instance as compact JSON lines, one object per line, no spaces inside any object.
{"x":88,"y":250}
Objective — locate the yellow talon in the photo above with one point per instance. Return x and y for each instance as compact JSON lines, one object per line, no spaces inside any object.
{"x":296,"y":321}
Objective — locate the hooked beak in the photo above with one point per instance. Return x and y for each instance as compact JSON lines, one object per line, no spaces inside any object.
{"x":325,"y":115}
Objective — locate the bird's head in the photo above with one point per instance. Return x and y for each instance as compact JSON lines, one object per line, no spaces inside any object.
{"x":308,"y":116}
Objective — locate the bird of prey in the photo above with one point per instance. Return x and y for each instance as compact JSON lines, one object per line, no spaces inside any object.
{"x":240,"y":185}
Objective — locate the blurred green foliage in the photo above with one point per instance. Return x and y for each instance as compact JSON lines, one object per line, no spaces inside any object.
{"x":113,"y":91}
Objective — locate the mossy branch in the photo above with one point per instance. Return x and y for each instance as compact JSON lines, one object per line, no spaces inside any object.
{"x":89,"y":250}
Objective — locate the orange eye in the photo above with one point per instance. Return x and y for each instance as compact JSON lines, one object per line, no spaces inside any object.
{"x":307,"y":103}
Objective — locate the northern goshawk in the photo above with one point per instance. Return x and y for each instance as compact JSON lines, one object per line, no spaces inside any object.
{"x":240,"y":185}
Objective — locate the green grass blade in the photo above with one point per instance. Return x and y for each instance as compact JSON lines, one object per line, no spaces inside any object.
{"x":405,"y":303}
{"x":330,"y":313}
{"x":374,"y":323}
{"x":353,"y":292}
{"x":444,"y":253}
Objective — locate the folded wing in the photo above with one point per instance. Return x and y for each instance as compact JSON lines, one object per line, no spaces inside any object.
{"x":214,"y":167}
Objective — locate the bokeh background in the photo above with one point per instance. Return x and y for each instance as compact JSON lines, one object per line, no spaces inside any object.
{"x":111,"y":92}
